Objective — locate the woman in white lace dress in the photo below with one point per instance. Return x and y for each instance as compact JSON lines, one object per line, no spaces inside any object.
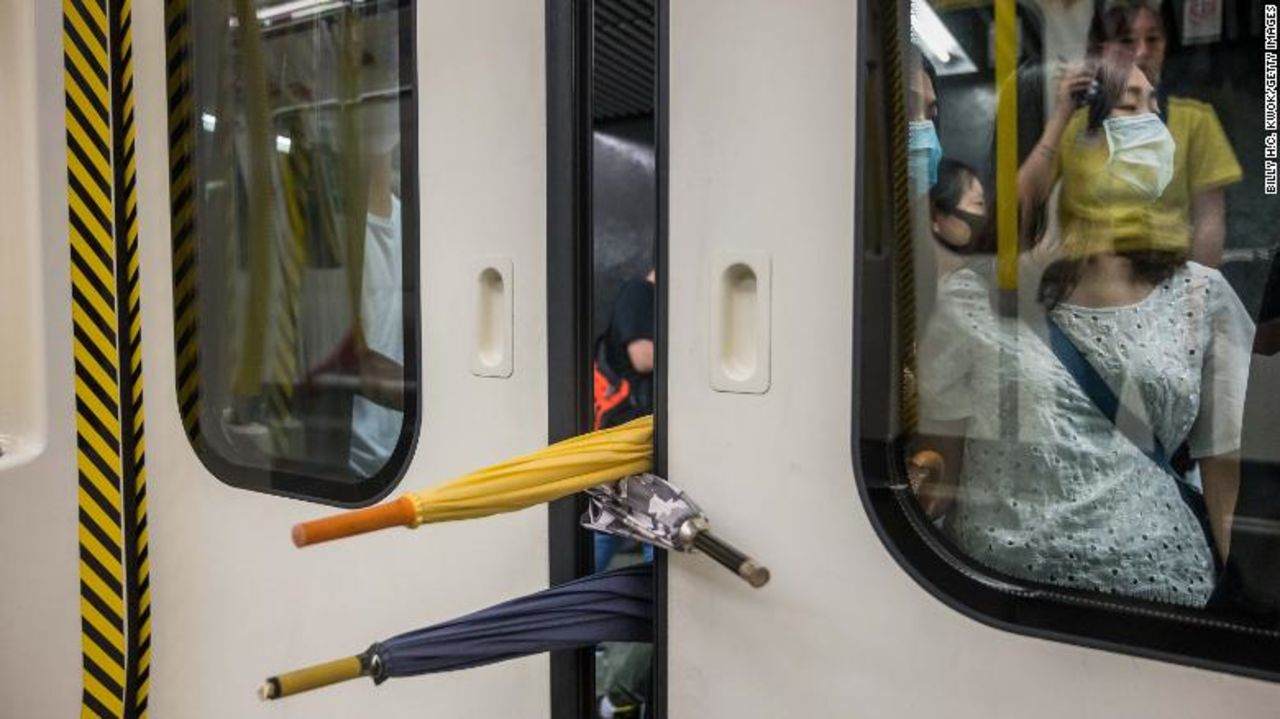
{"x":1038,"y":483}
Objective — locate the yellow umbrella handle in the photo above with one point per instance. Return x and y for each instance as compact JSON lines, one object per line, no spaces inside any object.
{"x":400,"y":513}
{"x":313,"y":677}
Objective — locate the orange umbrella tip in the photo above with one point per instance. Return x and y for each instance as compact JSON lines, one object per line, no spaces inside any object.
{"x":399,"y":513}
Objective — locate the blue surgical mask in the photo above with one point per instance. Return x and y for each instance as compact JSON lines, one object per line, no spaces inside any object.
{"x":924,"y":152}
{"x":1141,"y":150}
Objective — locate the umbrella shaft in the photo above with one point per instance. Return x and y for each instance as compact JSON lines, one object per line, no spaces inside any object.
{"x":731,"y":558}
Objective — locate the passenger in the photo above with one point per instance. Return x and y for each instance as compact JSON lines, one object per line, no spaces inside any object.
{"x":958,"y":215}
{"x":378,"y":408}
{"x":1076,"y":496}
{"x":623,"y":368}
{"x":924,"y":150}
{"x":924,"y":158}
{"x":1188,"y":207}
{"x":624,"y":355}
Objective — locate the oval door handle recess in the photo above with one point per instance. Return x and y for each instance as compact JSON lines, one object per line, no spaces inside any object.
{"x":740,"y":322}
{"x":493,"y":318}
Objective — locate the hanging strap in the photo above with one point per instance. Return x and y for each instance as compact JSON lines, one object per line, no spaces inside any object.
{"x":1099,"y":392}
{"x":1134,"y":429}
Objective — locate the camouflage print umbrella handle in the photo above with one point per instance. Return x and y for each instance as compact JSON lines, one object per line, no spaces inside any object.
{"x":754,"y":573}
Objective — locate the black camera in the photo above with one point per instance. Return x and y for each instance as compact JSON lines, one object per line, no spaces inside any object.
{"x":1088,"y":95}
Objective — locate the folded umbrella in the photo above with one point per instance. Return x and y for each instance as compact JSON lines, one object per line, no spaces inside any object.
{"x":614,"y":606}
{"x":647,"y":508}
{"x":548,"y":474}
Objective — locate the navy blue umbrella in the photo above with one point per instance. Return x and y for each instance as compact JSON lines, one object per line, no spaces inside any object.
{"x":614,"y":606}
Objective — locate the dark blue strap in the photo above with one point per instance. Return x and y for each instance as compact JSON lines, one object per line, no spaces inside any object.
{"x":1099,"y":392}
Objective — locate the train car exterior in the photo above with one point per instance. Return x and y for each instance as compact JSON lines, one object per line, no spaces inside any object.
{"x":148,"y":568}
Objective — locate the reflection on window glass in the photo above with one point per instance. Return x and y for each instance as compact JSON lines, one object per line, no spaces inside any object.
{"x":1093,"y":316}
{"x":303,"y":303}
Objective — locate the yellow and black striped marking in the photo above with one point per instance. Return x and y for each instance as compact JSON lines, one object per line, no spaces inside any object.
{"x":295,"y":176}
{"x":895,"y":63}
{"x":107,"y":343}
{"x":182,"y":208}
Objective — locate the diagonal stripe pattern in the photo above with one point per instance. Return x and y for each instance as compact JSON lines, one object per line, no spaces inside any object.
{"x":182,"y":210}
{"x":295,"y":177}
{"x":103,"y":236}
{"x":895,"y":67}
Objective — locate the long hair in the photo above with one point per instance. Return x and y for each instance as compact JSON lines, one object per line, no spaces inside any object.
{"x":1112,"y":77}
{"x":1061,"y":277}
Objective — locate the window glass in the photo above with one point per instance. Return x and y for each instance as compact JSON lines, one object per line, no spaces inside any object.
{"x":295,"y":242}
{"x":1086,"y":294}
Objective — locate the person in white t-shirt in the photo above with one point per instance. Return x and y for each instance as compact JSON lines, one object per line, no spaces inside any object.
{"x":378,"y":410}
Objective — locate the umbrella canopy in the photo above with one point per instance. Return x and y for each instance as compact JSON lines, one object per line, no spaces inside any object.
{"x":615,"y":606}
{"x":648,"y":508}
{"x":548,"y":474}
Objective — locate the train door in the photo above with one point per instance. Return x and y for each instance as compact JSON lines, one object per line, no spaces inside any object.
{"x":315,"y":231}
{"x":781,"y":320}
{"x":602,"y":211}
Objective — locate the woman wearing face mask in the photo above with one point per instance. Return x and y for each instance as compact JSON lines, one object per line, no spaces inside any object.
{"x":1187,"y":203}
{"x":924,"y":150}
{"x":1076,"y":495}
{"x":958,"y":215}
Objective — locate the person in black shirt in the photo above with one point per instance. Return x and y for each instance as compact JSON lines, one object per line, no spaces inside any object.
{"x":624,"y":357}
{"x":624,"y":377}
{"x":623,"y":392}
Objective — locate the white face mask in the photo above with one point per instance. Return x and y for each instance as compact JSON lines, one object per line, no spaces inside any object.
{"x":1141,"y":152}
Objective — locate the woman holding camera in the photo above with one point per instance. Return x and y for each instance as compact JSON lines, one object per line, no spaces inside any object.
{"x":1059,"y":488}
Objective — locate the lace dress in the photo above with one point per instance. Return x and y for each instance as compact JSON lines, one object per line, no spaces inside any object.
{"x":1049,"y":491}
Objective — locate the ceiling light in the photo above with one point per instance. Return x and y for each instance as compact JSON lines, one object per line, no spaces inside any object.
{"x":937,"y":42}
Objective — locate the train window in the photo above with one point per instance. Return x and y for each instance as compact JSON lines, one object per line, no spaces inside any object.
{"x":1063,"y":229}
{"x":292,"y":164}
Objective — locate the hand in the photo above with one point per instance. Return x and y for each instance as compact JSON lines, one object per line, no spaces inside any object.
{"x":924,"y":469}
{"x":1072,"y":80}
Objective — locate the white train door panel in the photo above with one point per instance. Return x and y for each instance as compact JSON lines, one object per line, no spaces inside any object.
{"x":227,"y":582}
{"x":231,"y":600}
{"x":763,"y":161}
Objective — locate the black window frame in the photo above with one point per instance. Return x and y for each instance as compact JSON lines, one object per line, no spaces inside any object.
{"x":290,"y":478}
{"x":1133,"y":627}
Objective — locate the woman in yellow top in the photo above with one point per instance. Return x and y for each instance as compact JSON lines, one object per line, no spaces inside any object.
{"x":1080,"y":495}
{"x":1185,"y":211}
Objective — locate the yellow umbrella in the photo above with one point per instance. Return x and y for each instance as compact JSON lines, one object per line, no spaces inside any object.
{"x":548,"y":474}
